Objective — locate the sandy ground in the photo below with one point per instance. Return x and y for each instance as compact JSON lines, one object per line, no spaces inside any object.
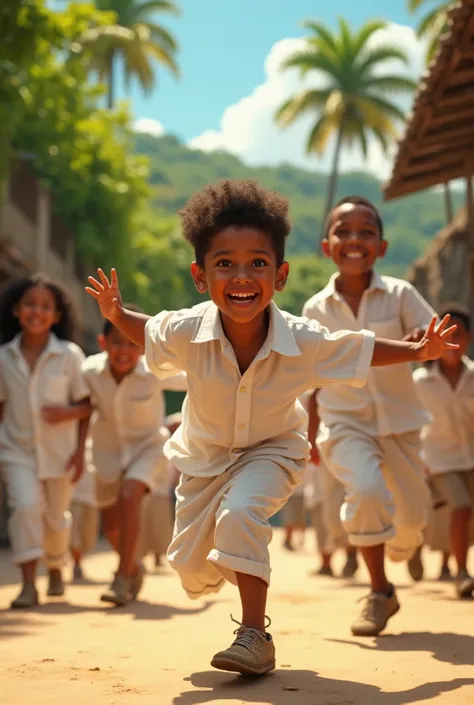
{"x":157,"y":651}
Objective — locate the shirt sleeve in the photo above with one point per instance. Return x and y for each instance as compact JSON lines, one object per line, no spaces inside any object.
{"x":78,"y":388}
{"x":162,"y":347}
{"x":343,"y":357}
{"x":416,"y":312}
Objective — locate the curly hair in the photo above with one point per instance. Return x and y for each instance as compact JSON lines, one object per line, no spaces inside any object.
{"x":65,"y":328}
{"x":356,"y":201}
{"x":234,"y":203}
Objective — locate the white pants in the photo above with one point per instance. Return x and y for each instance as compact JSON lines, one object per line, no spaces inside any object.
{"x":222,"y":523}
{"x":40,"y":522}
{"x":331,"y":510}
{"x":386,"y":496}
{"x":85,"y":526}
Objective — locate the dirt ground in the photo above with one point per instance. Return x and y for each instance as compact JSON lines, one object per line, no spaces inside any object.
{"x":77,"y":650}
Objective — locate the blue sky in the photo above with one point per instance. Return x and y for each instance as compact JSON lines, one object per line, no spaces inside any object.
{"x":224,"y":44}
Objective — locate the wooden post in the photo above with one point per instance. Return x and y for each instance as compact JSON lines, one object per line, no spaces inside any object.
{"x":43,"y":228}
{"x":448,"y":203}
{"x":470,"y":244}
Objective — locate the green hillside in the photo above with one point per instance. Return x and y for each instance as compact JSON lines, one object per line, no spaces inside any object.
{"x":177,"y":171}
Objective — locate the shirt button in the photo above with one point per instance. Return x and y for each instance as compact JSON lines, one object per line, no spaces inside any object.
{"x":243,"y":389}
{"x":241,"y":426}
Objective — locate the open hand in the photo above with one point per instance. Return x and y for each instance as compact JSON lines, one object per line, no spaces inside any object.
{"x":414,"y":336}
{"x":107,"y":294}
{"x":76,"y":465}
{"x":435,"y":341}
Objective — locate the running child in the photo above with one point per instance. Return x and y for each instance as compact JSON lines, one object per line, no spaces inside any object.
{"x":369,"y":436}
{"x":127,"y":441}
{"x":242,"y":446}
{"x":447,"y":391}
{"x":44,"y":414}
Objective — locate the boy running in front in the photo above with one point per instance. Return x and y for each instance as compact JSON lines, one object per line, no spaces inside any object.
{"x":242,"y":446}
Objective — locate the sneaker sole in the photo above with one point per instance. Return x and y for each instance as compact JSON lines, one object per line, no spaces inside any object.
{"x":227,"y":664}
{"x":58,"y":593}
{"x":113,"y":601}
{"x":361,"y":632}
{"x":24,"y":607}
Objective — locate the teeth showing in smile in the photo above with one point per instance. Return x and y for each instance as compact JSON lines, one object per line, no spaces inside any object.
{"x":354,"y":255}
{"x":242,"y":296}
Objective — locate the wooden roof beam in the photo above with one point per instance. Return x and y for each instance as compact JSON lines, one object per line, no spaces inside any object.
{"x":405,"y":187}
{"x":447,"y":135}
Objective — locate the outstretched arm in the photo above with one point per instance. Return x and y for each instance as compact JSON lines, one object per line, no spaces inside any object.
{"x":431,"y":346}
{"x":107,"y":294}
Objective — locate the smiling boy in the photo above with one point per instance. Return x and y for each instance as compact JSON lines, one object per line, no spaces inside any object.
{"x":242,"y":446}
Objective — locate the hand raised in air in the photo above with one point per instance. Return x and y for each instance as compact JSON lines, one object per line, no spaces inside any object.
{"x":107,"y":294}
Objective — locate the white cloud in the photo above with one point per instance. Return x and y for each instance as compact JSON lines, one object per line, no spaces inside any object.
{"x":248,"y":129}
{"x":150,"y":126}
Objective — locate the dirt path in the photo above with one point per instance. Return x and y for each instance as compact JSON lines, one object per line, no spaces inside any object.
{"x":158,"y":651}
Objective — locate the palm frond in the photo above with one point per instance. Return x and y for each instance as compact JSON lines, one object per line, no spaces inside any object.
{"x":321,"y":33}
{"x":160,"y":35}
{"x":389,"y":83}
{"x":137,"y":63}
{"x":345,"y":39}
{"x":384,"y":107}
{"x":142,"y":11}
{"x":300,"y":104}
{"x":320,"y":135}
{"x":364,"y":34}
{"x":308,"y":60}
{"x":385,"y":52}
{"x":381,"y":136}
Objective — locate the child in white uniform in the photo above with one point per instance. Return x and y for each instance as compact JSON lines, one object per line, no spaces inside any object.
{"x":45,"y":412}
{"x":84,"y":514}
{"x":447,"y":390}
{"x":243,"y":444}
{"x":127,"y":438}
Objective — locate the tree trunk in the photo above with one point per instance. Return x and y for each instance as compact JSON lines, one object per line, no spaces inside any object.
{"x":332,"y":184}
{"x":448,"y":203}
{"x":111,"y":87}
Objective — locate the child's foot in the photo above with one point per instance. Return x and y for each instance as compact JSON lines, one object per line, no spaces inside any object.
{"x":288,"y":545}
{"x":252,"y":653}
{"x":324,"y":570}
{"x":136,"y":581}
{"x":445,"y":574}
{"x":415,"y":566}
{"x":377,"y":610}
{"x":56,"y":584}
{"x":351,"y":566}
{"x":119,"y":591}
{"x":28,"y":597}
{"x":77,"y":574}
{"x":464,"y":584}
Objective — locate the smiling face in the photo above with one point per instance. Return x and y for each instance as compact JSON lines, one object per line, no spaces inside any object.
{"x":240,"y":272}
{"x":123,"y":354}
{"x":36,"y":311}
{"x":354,"y":240}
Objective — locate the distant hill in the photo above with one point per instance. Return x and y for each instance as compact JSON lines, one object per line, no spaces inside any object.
{"x":177,"y":172}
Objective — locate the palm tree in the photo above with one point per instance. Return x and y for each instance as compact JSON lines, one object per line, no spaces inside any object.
{"x":353,"y":102}
{"x":432,"y":25}
{"x":135,"y":38}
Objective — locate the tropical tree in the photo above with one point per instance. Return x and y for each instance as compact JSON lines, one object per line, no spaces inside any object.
{"x":353,"y":100}
{"x":135,"y":39}
{"x":433,"y":24}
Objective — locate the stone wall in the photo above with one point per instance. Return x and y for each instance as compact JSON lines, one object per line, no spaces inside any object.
{"x":441,"y":275}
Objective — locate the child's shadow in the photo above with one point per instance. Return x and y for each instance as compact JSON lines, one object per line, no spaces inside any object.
{"x":141,"y":609}
{"x":457,"y":649}
{"x":302,"y":688}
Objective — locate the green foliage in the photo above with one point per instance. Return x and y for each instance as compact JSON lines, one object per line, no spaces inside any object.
{"x":81,"y":151}
{"x":176,"y":172}
{"x":432,"y":24}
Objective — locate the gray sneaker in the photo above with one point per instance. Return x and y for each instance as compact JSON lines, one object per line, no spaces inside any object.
{"x":464,"y":584}
{"x":119,"y":591}
{"x":56,"y":584}
{"x":252,"y":653}
{"x":28,"y":597}
{"x":376,"y":612}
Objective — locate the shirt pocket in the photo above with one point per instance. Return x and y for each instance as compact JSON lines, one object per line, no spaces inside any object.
{"x":143,"y":412}
{"x":390,"y":328}
{"x":56,"y":389}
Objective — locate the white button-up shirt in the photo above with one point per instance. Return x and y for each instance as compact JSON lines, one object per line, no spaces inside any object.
{"x":25,"y":438}
{"x":448,"y":441}
{"x":388,"y":404}
{"x":228,"y":414}
{"x":129,"y":417}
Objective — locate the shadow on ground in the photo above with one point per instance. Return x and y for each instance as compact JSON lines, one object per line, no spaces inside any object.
{"x":304,"y":688}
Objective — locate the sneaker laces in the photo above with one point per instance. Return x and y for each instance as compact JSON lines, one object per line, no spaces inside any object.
{"x":371,"y":602}
{"x":249,"y":637}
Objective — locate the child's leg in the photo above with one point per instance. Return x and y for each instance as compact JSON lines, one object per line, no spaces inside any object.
{"x":131,"y":496}
{"x":367,"y":515}
{"x":25,"y":527}
{"x":57,"y":525}
{"x":111,"y":524}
